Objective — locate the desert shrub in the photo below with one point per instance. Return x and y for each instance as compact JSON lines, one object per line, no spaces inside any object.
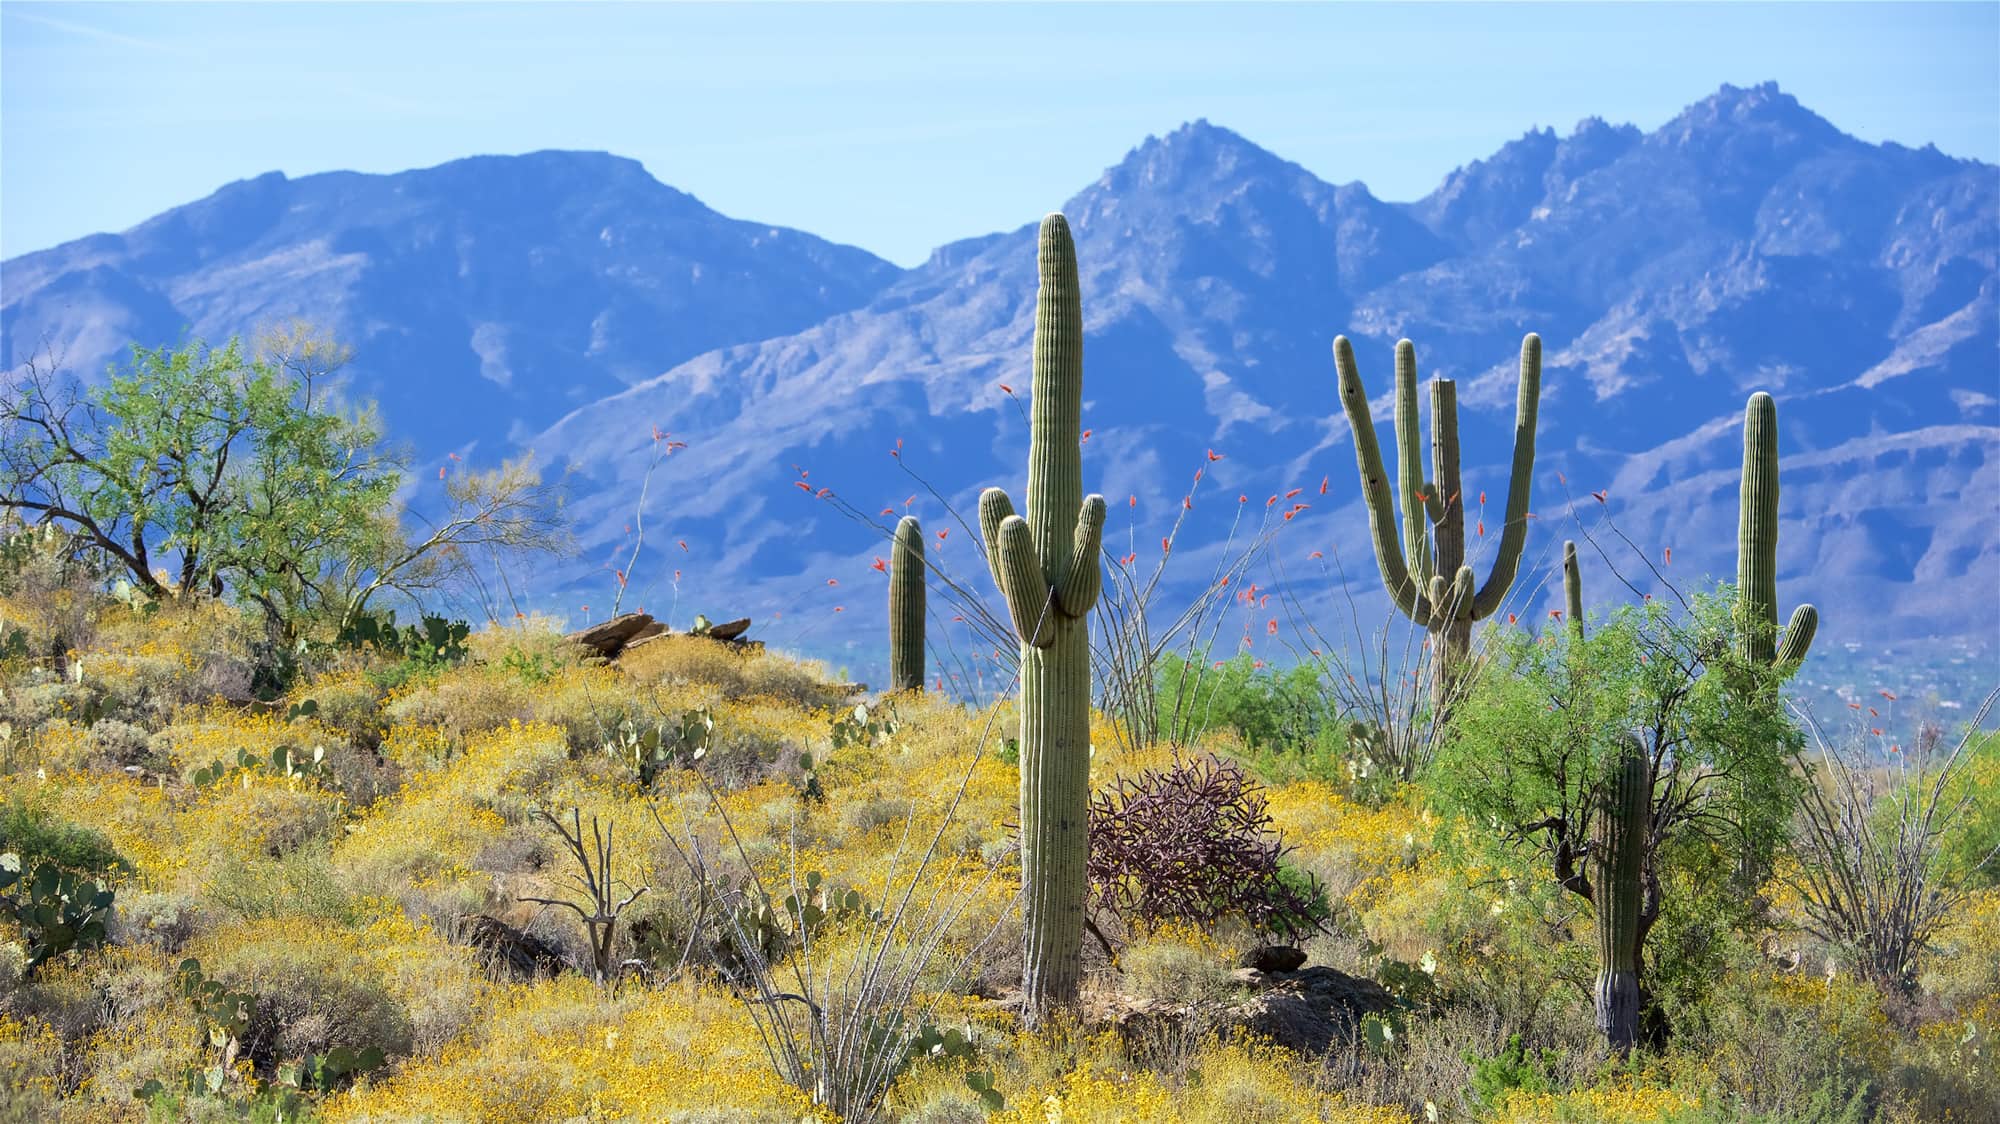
{"x":736,"y":672}
{"x":31,"y":830}
{"x":116,"y":744}
{"x":311,"y":995}
{"x":1193,"y":843}
{"x":348,"y":705}
{"x":168,"y":919}
{"x":1178,"y":966}
{"x":1885,"y":858}
{"x":52,"y":584}
{"x":298,"y":884}
{"x":1270,"y":709}
{"x":460,"y":706}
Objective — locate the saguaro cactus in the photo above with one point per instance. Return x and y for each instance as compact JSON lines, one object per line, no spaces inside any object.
{"x":1757,"y":548}
{"x":1618,"y":850}
{"x":1572,"y":589}
{"x":906,"y":607}
{"x":1048,"y":570}
{"x":1434,"y":510}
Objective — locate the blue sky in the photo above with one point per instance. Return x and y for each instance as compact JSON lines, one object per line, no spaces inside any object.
{"x":898,"y":128}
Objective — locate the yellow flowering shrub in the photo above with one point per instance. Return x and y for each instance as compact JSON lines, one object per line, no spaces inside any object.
{"x":565,"y":1049}
{"x":1613,"y":1104}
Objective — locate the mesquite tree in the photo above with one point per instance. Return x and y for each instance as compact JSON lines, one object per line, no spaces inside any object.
{"x":1622,"y":758}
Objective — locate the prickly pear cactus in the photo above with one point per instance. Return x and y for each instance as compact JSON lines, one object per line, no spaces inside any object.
{"x":906,"y":607}
{"x":1048,"y":571}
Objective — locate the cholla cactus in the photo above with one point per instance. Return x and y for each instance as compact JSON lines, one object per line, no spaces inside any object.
{"x":1048,"y":570}
{"x":906,"y":607}
{"x":1435,"y":588}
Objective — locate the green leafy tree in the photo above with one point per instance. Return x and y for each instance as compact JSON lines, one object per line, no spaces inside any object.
{"x":200,"y":470}
{"x":1550,"y":727}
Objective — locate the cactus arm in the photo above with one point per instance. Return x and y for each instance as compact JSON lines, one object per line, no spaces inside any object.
{"x":1520,"y":481}
{"x":994,"y":509}
{"x":1798,"y":636}
{"x":1444,"y":489}
{"x":1085,"y":575}
{"x":1572,"y":590}
{"x":1021,"y":584}
{"x":1418,"y":496}
{"x":1453,"y":601}
{"x":906,"y":607}
{"x":1396,"y":577}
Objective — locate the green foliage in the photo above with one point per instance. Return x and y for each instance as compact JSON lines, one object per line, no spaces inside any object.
{"x":1512,"y":1068}
{"x":649,"y":747}
{"x":287,"y":762}
{"x":216,"y":458}
{"x":56,"y":910}
{"x":1285,"y":711}
{"x":1530,"y":751}
{"x":39,"y":838}
{"x":865,"y":726}
{"x":1967,"y":851}
{"x":432,"y":642}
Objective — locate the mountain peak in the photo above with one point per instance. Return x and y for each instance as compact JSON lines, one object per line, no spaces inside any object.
{"x":1762,"y":107}
{"x":1195,"y":152}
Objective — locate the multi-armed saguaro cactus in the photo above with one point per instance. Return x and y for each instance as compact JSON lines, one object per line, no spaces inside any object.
{"x":1048,"y":571}
{"x":1434,"y":588}
{"x":1618,"y":853}
{"x":1757,"y":548}
{"x":906,"y":607}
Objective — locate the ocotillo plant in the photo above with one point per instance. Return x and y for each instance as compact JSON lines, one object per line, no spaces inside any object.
{"x":906,"y":607}
{"x":1618,"y":847}
{"x":1048,"y":571}
{"x":1757,"y":548}
{"x":1434,"y":587}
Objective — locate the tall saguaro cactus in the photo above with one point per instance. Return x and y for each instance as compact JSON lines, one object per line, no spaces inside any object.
{"x":1757,"y":547}
{"x":906,"y":607}
{"x":1047,"y":568}
{"x":1618,"y":850}
{"x":1425,"y":570}
{"x":1758,"y":638}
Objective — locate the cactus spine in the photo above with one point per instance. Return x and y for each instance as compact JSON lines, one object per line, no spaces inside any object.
{"x":1047,"y":568}
{"x":1757,"y":547}
{"x":1618,"y":847}
{"x":1435,"y":588}
{"x":906,"y":607}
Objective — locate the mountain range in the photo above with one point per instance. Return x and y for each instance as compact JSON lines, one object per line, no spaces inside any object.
{"x":568,"y":303}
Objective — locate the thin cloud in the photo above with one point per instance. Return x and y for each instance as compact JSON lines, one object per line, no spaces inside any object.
{"x":90,"y":32}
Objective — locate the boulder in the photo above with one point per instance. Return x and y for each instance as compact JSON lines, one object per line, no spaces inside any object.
{"x":729,"y":630}
{"x":1310,"y":1010}
{"x":608,"y":638}
{"x":1273,"y":958}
